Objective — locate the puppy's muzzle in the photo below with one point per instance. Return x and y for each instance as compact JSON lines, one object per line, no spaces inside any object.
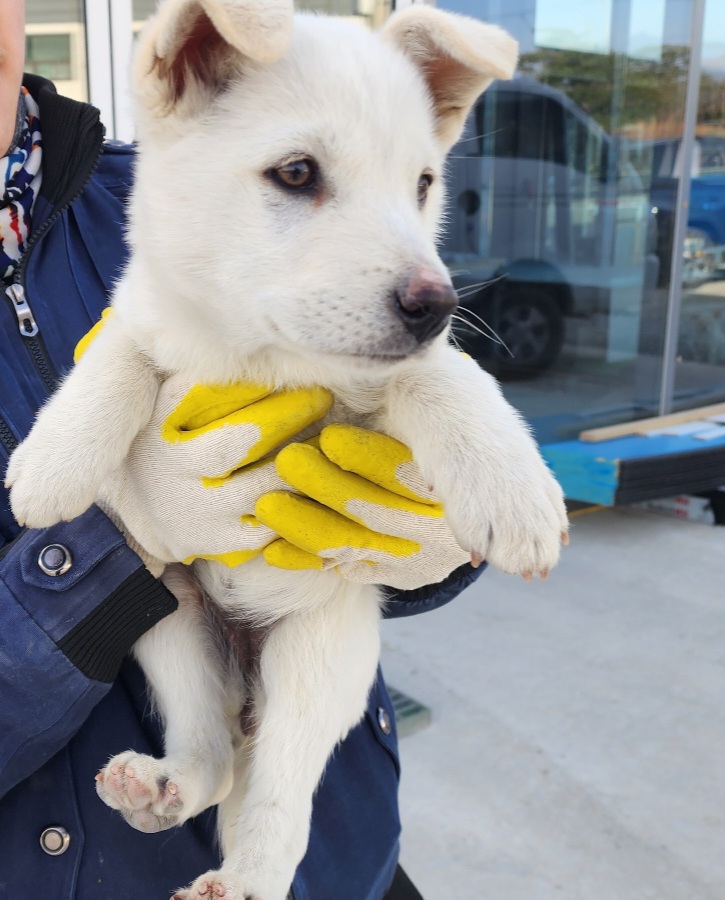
{"x":424,"y":305}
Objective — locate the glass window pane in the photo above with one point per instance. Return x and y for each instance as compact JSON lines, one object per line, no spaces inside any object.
{"x":368,"y":12}
{"x":142,"y":9}
{"x":48,"y":55}
{"x":553,"y":238}
{"x":55,"y":45}
{"x":700,"y":374}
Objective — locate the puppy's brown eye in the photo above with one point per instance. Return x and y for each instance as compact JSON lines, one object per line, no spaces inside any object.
{"x":298,"y":175}
{"x":424,"y":182}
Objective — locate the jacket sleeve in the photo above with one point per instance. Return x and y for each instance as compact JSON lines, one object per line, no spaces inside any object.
{"x":63,"y":637}
{"x":431,"y":596}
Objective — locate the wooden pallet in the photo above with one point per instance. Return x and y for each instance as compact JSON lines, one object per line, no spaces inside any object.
{"x":636,"y":461}
{"x":644,"y":426}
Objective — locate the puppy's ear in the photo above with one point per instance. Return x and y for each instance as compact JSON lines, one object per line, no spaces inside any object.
{"x":190,"y":49}
{"x":458,"y":57}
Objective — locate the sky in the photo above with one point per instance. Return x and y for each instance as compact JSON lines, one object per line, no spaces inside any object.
{"x":586,"y":24}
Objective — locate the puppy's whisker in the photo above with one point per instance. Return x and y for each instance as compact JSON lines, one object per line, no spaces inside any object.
{"x":480,"y":137}
{"x":463,"y":311}
{"x":470,"y":312}
{"x":455,"y":342}
{"x":471,"y":288}
{"x":467,"y":289}
{"x":469,"y":292}
{"x":489,"y":334}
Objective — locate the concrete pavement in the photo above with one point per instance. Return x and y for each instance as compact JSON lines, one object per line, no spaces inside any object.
{"x":577,"y":743}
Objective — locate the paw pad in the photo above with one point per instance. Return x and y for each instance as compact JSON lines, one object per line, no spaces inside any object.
{"x":141,"y":789}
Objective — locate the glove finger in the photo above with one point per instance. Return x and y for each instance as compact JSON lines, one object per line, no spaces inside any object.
{"x":232,"y":559}
{"x":283,"y":555}
{"x":239,"y":491}
{"x":312,"y":473}
{"x":188,"y":410}
{"x":85,"y":342}
{"x":248,"y":434}
{"x":378,"y":458}
{"x":234,"y":544}
{"x":322,"y":531}
{"x":400,"y":578}
{"x":362,"y":571}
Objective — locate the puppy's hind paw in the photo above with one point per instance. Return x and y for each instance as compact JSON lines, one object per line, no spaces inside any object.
{"x":144,"y":790}
{"x":217,"y":886}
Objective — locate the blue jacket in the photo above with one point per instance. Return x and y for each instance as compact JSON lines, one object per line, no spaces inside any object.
{"x":69,"y":695}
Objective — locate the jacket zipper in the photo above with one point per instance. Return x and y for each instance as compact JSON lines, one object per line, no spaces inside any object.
{"x":28,"y":328}
{"x":27,"y":325}
{"x":7,"y":438}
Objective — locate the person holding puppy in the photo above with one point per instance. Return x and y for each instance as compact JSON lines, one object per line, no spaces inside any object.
{"x":76,"y":596}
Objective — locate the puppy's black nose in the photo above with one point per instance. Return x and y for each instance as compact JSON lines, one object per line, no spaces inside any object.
{"x":425,"y":305}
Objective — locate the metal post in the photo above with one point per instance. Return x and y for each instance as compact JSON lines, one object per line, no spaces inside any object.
{"x":682,"y":207}
{"x":108,"y":50}
{"x":122,"y":45}
{"x":99,"y":56}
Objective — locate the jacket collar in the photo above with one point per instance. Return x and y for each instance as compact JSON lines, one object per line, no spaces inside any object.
{"x":72,"y":136}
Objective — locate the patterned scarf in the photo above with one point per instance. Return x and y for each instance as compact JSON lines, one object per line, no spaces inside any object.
{"x":21,"y":170}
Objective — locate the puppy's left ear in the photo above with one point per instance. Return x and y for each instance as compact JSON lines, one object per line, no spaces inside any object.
{"x":458,"y":57}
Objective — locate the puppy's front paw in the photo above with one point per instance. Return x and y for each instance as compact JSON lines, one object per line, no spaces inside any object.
{"x":50,"y":481}
{"x":529,"y":533}
{"x":225,"y":885}
{"x":147,"y":792}
{"x":518,"y":524}
{"x":47,"y":484}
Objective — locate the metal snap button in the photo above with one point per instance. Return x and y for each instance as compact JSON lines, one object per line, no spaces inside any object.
{"x":55,"y":559}
{"x":386,"y":726}
{"x":55,"y":840}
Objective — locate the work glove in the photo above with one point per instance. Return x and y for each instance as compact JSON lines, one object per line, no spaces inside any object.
{"x":188,"y":486}
{"x":363,"y":509}
{"x":203,"y":465}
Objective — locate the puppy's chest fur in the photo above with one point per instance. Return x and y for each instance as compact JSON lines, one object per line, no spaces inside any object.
{"x":361,"y":398}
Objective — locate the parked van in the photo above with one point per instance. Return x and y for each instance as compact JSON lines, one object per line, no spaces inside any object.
{"x":546,"y":220}
{"x":704,"y":250}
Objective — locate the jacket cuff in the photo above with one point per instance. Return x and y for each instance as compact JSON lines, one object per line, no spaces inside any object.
{"x":98,"y":606}
{"x":99,"y":642}
{"x":432,"y":596}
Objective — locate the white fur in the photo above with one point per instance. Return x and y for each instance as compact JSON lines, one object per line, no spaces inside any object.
{"x":231,"y":278}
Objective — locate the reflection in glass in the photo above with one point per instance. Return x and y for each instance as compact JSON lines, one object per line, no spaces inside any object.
{"x":700,"y":374}
{"x":55,"y":45}
{"x":554,"y":237}
{"x":367,"y":12}
{"x":142,"y":9}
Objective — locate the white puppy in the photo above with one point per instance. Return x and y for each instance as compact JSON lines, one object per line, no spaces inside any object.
{"x":288,"y":192}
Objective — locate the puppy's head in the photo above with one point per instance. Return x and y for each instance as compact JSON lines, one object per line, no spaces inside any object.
{"x":290,"y":181}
